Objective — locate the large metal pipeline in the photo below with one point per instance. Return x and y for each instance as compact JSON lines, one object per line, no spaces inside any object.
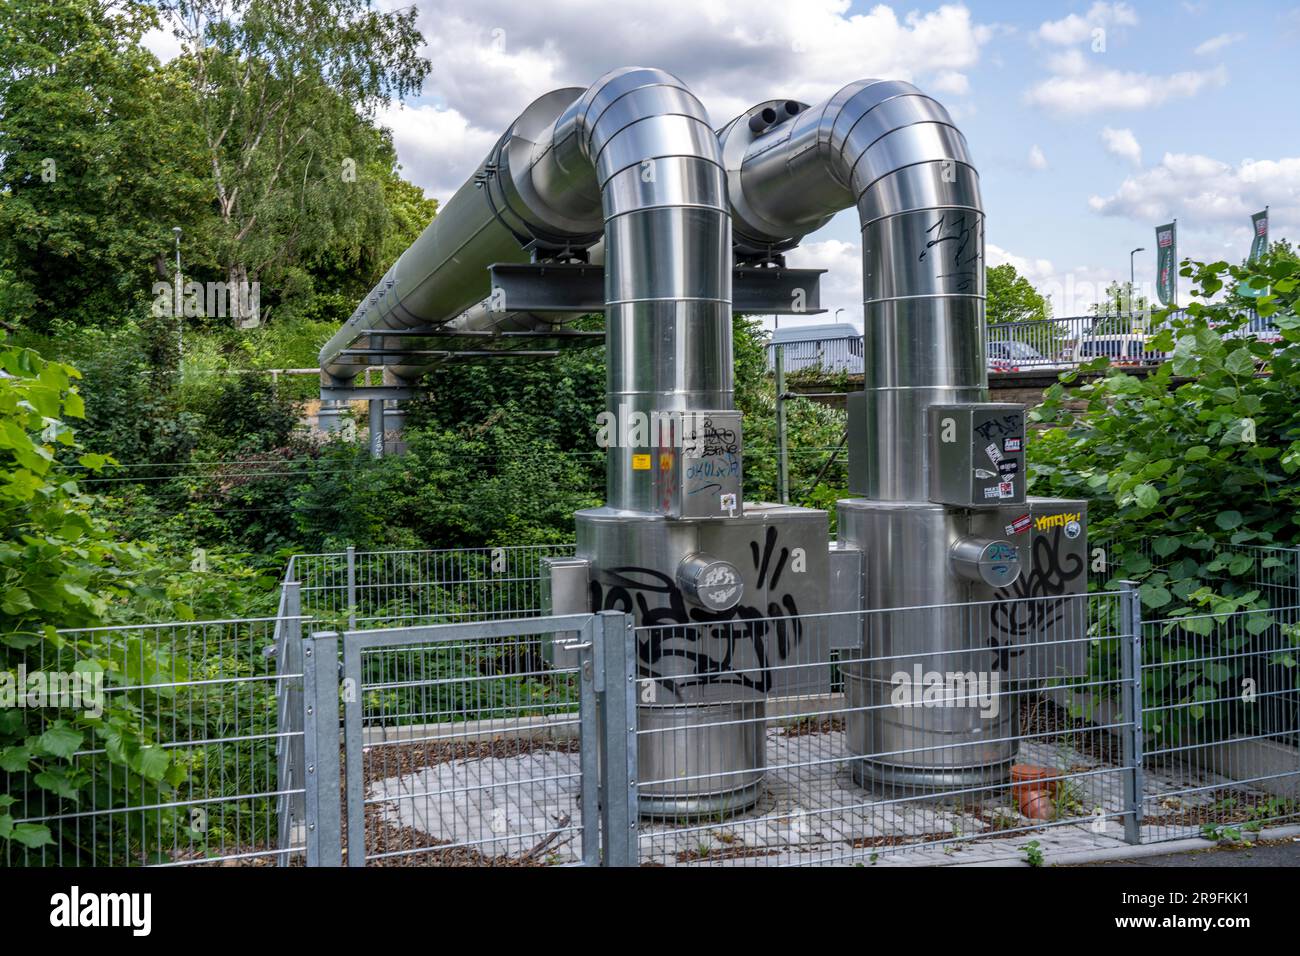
{"x":631,"y":160}
{"x":492,"y":218}
{"x":895,"y":154}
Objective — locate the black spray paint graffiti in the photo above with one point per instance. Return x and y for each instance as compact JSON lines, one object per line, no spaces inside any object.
{"x":1010,"y":424}
{"x":961,"y":234}
{"x":1016,"y":622}
{"x":734,"y":647}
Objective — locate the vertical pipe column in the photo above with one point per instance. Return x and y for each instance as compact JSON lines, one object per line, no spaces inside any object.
{"x":376,"y":408}
{"x":667,"y":254}
{"x":922,"y":225}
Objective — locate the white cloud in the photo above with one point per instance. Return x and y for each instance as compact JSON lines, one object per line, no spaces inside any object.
{"x":1212,"y":201}
{"x":841,"y":286}
{"x":1208,"y":194}
{"x":162,"y":42}
{"x":1071,"y":291}
{"x":950,"y":81}
{"x":1075,"y":29}
{"x":1036,"y":158}
{"x":1078,"y":85}
{"x":438,"y":148}
{"x":1215,"y":44}
{"x":491,"y":58}
{"x":1122,"y":143}
{"x":1032,"y":269}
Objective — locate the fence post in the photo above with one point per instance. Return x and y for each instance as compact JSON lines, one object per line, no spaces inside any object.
{"x":320,"y":655}
{"x":1131,"y":701}
{"x":292,"y":664}
{"x":352,"y":588}
{"x":616,"y":672}
{"x":782,"y":446}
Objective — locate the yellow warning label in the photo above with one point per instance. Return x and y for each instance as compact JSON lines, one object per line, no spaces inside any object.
{"x":666,"y":462}
{"x":640,"y":462}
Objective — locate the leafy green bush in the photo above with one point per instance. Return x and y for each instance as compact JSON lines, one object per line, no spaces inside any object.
{"x":62,"y":569}
{"x":59,"y":566}
{"x":1188,"y":471}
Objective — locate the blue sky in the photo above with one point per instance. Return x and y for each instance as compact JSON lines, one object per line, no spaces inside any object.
{"x":1085,"y":140}
{"x":1243,"y":108}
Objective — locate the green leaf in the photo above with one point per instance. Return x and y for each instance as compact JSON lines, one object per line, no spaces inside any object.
{"x":153,"y":762}
{"x":1259,"y":623}
{"x":1227,"y":520}
{"x":1165,"y":546}
{"x":1154,"y":597}
{"x":60,"y":741}
{"x":1147,"y":496}
{"x":1215,"y":672}
{"x":1240,"y":362}
{"x":32,"y":835}
{"x":56,"y":783}
{"x":15,"y":759}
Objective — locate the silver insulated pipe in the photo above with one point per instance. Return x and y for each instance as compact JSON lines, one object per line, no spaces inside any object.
{"x":631,"y":160}
{"x":894,"y":153}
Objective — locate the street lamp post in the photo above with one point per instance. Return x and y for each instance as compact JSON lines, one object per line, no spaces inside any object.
{"x":180,"y":310}
{"x":1130,"y":277}
{"x":837,"y":314}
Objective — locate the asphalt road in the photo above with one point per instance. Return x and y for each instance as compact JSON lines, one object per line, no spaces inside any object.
{"x":1272,"y":853}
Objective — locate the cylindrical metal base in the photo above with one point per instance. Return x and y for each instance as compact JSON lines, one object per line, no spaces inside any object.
{"x":868,"y":773}
{"x":926,"y":748}
{"x":697,"y":760}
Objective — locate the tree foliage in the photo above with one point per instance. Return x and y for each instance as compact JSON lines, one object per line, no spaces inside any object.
{"x":1186,"y":471}
{"x":99,"y":158}
{"x":1011,"y":298}
{"x":59,"y":567}
{"x":284,"y":93}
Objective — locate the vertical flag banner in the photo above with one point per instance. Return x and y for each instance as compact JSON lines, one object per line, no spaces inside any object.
{"x":1167,"y":263}
{"x":1259,"y":229}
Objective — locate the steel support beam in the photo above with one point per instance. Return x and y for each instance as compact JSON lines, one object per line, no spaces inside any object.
{"x":577,"y":287}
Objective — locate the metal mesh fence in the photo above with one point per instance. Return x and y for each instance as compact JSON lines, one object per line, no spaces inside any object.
{"x":388,"y":588}
{"x":472,"y":749}
{"x":1221,"y":715}
{"x":184,"y":770}
{"x":884,"y":751}
{"x":466,"y":751}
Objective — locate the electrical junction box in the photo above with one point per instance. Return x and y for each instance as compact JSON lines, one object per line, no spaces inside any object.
{"x":1038,"y":624}
{"x":697,"y":465}
{"x":565,"y":590}
{"x":977,"y":454}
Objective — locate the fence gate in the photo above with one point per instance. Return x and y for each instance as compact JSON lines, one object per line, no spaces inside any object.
{"x":462,"y":745}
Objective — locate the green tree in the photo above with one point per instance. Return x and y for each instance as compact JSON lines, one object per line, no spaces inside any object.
{"x":285,"y":92}
{"x":98,"y":159}
{"x":1011,"y":298}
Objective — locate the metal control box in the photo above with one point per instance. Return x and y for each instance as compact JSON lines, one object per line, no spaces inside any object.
{"x":977,"y":454}
{"x":565,"y":590}
{"x":846,"y":596}
{"x":1038,"y":625}
{"x":697,"y":465}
